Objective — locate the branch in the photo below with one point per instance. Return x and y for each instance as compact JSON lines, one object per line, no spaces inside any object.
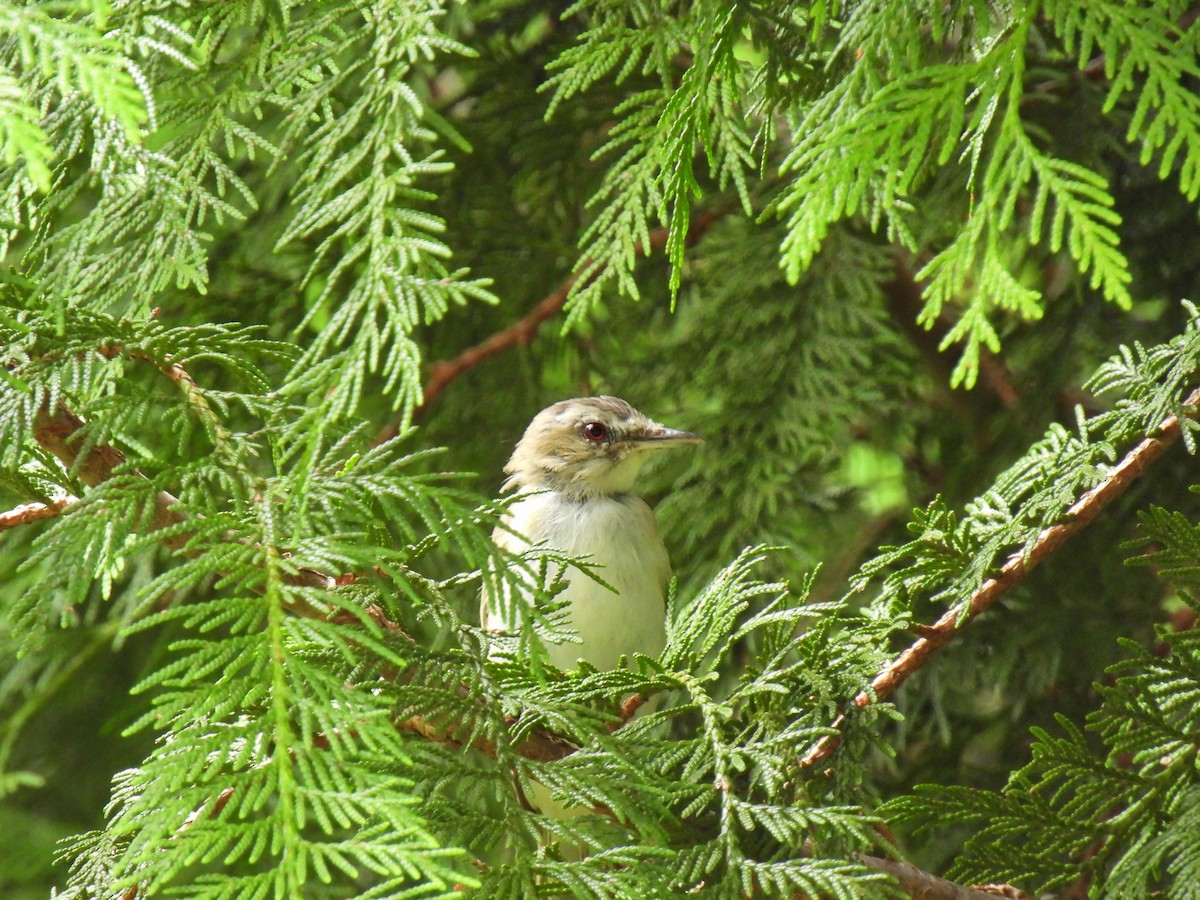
{"x":181,"y":379}
{"x":1019,"y":565}
{"x":540,"y":746}
{"x":34,"y":512}
{"x":525,"y":329}
{"x":58,"y":430}
{"x":921,"y":885}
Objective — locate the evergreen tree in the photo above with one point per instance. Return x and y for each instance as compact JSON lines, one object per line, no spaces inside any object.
{"x":918,"y":272}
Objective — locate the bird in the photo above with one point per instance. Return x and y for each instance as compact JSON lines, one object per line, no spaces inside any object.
{"x":574,"y":471}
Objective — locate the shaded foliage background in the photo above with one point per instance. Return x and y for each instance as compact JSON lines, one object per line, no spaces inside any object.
{"x":889,"y":245}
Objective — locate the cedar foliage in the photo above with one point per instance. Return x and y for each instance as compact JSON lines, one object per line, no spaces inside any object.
{"x":923,"y":282}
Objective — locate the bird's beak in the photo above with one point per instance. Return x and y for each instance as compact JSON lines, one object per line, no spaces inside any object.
{"x":660,"y":436}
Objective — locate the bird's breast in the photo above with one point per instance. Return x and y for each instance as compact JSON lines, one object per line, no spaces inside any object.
{"x":620,"y":536}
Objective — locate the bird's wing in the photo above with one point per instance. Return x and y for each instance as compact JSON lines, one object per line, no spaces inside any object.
{"x":657,"y":562}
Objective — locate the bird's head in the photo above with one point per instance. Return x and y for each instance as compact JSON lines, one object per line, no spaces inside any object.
{"x":588,"y":447}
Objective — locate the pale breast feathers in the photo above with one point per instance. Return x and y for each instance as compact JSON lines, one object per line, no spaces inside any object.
{"x":620,"y":536}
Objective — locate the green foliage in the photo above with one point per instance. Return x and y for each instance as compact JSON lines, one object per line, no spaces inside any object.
{"x":1121,"y":819}
{"x":358,"y":195}
{"x":871,"y":143}
{"x":1119,"y":812}
{"x":236,"y":234}
{"x":56,"y":50}
{"x":931,"y":102}
{"x":1144,"y":52}
{"x":712,"y":506}
{"x":720,"y":798}
{"x":24,"y":140}
{"x":661,"y":129}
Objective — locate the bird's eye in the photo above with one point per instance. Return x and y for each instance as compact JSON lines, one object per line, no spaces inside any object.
{"x":595,"y":431}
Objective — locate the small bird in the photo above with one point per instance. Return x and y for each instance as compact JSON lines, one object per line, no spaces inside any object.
{"x":574,"y":471}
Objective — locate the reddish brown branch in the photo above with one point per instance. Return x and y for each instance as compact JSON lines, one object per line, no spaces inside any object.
{"x":921,"y":885}
{"x":523,"y":331}
{"x":628,"y":709}
{"x":58,"y":431}
{"x":539,"y":746}
{"x":1014,"y":571}
{"x":34,"y":512}
{"x":173,"y":371}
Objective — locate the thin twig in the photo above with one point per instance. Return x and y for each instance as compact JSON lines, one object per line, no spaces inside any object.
{"x":34,"y":512}
{"x":217,"y":805}
{"x":921,"y":885}
{"x":58,"y":431}
{"x":539,"y":746}
{"x":180,"y":377}
{"x":1019,"y":565}
{"x":523,"y":331}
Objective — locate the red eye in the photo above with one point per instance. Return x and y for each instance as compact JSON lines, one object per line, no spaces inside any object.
{"x":595,"y":431}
